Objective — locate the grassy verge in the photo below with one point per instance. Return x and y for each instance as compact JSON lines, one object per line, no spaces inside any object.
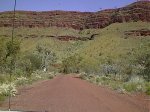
{"x":6,"y":88}
{"x":132,"y":86}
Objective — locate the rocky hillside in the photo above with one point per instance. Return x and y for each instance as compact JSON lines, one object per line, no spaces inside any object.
{"x":138,"y":11}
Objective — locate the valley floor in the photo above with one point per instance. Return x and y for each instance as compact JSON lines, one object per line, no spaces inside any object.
{"x":67,"y":93}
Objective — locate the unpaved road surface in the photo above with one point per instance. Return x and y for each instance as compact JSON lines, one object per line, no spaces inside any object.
{"x":71,"y":94}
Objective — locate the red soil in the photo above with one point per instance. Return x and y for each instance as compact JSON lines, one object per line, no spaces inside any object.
{"x":71,"y":94}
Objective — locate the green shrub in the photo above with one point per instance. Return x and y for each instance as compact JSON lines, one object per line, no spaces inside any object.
{"x":130,"y":87}
{"x":21,"y":81}
{"x":27,"y":67}
{"x":72,"y":64}
{"x":12,"y":48}
{"x":148,"y":88}
{"x":40,"y":75}
{"x":143,"y":60}
{"x":104,"y":78}
{"x":35,"y":60}
{"x":6,"y":89}
{"x":19,"y":72}
{"x":98,"y":79}
{"x":34,"y":77}
{"x":3,"y":78}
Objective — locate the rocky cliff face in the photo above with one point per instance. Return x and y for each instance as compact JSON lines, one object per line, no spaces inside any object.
{"x":136,"y":33}
{"x":138,"y":11}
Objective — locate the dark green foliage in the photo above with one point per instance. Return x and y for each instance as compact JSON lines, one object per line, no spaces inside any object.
{"x":143,"y":60}
{"x":3,"y":78}
{"x":72,"y":64}
{"x":12,"y":48}
{"x":12,"y":51}
{"x":28,"y":63}
{"x":24,"y":67}
{"x":35,"y":60}
{"x":130,"y":87}
{"x":12,"y":61}
{"x":2,"y":54}
{"x":148,"y":88}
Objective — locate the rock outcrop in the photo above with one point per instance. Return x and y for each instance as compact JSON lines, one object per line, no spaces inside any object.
{"x":136,"y":33}
{"x":138,"y":11}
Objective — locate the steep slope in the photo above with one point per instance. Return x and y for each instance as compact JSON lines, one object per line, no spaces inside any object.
{"x":110,"y":41}
{"x":112,"y":45}
{"x":138,"y":11}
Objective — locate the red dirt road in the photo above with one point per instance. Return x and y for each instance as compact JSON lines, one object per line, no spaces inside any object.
{"x":71,"y":94}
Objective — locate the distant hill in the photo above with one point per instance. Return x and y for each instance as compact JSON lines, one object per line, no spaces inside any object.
{"x":138,"y":11}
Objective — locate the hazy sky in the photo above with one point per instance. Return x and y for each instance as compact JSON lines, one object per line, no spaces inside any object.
{"x":74,"y":5}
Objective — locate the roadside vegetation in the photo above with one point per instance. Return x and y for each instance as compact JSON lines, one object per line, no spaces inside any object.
{"x":113,"y":60}
{"x":23,"y":68}
{"x":109,"y":59}
{"x":128,"y":75}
